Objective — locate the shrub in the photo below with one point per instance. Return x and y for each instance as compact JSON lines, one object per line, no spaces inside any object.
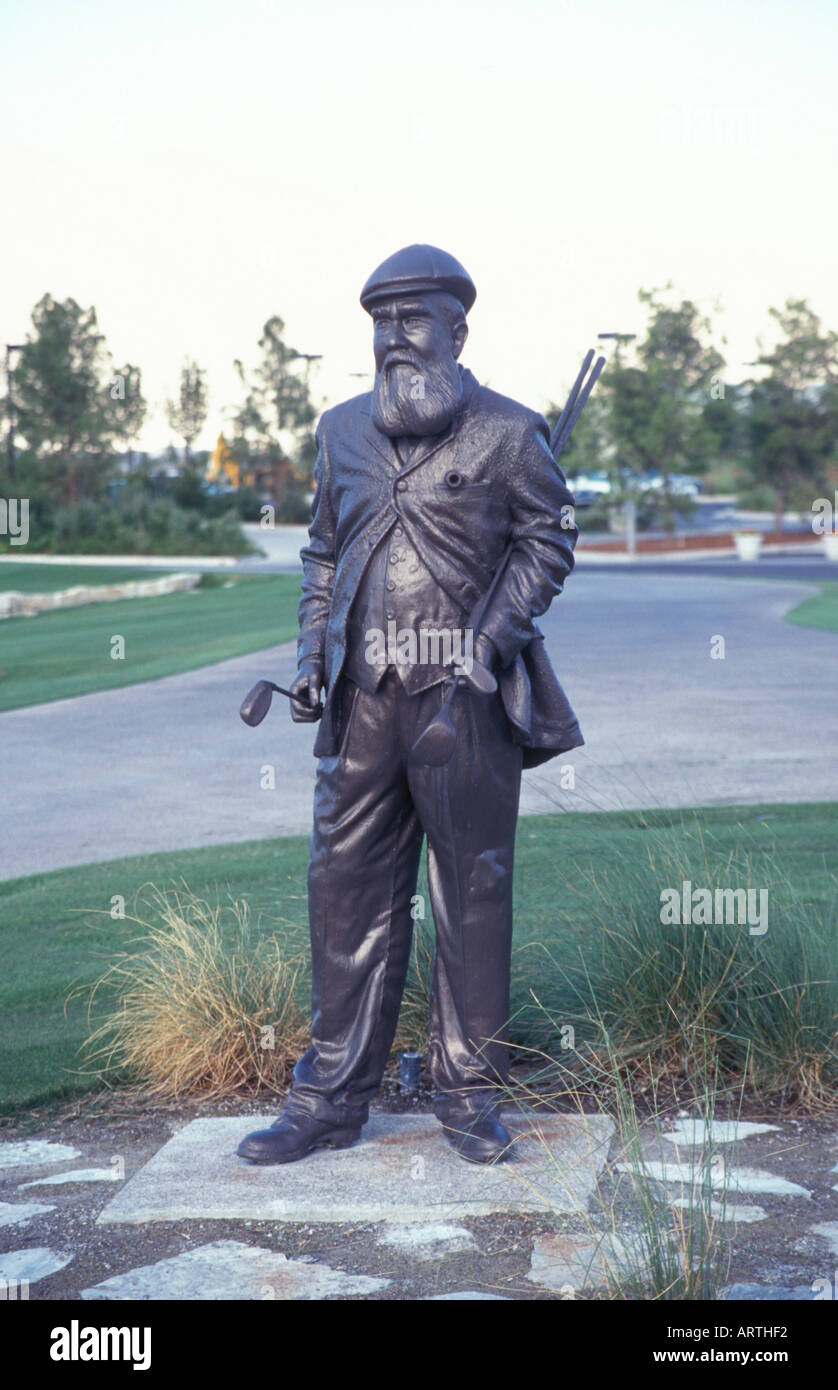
{"x":764,"y":1007}
{"x":205,"y":1005}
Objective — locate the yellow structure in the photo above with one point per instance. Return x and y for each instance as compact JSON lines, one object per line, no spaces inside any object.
{"x":223,"y":464}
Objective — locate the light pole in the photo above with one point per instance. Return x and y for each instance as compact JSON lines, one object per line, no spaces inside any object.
{"x":630,"y":504}
{"x":10,"y":443}
{"x":308,"y":358}
{"x":619,"y":338}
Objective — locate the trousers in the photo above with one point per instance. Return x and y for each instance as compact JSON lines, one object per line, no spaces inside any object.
{"x":374,"y":804}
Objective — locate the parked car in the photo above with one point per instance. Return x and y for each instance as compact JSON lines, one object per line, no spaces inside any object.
{"x":677,"y":484}
{"x":588,"y":488}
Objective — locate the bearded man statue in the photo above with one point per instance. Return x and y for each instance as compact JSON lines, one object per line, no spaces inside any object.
{"x":432,"y":493}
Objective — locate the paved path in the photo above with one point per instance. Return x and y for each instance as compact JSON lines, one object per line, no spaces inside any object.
{"x":169,"y":764}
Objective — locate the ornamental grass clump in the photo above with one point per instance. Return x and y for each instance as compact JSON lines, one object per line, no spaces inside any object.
{"x":758,"y":997}
{"x":204,"y":1004}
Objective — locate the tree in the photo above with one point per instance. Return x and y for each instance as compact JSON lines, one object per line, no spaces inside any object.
{"x":72,"y":408}
{"x":272,"y":431}
{"x":658,"y":407}
{"x":188,"y":413}
{"x":651,"y":414}
{"x":794,"y":409}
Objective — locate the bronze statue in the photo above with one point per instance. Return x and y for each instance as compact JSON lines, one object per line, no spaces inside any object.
{"x":439,"y":509}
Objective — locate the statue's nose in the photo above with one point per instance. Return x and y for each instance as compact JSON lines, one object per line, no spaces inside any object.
{"x":393,"y":336}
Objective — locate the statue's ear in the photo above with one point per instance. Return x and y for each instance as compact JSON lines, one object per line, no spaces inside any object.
{"x":458,"y":336}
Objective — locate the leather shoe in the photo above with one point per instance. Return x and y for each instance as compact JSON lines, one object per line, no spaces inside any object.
{"x":293,"y":1136}
{"x":481,"y":1140}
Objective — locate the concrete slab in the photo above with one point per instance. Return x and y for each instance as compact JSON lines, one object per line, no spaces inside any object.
{"x":228,"y":1269}
{"x":76,"y":1175}
{"x":35,"y":1153}
{"x":570,"y":1263}
{"x":738,"y":1213}
{"x":402,"y":1171}
{"x":736,"y":1179}
{"x":30,"y":1265}
{"x":758,"y":1293}
{"x":12,"y":1213}
{"x":466,"y":1296}
{"x":429,"y":1242}
{"x":828,"y":1231}
{"x":693,"y":1133}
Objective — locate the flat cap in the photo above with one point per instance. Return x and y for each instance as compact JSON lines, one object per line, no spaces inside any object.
{"x":416,"y":268}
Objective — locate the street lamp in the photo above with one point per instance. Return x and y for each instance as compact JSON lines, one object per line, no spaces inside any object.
{"x":308,"y":358}
{"x":10,"y":443}
{"x":618,"y":338}
{"x":630,"y":504}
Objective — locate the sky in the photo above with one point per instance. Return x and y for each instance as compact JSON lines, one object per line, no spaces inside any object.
{"x":192,"y":169}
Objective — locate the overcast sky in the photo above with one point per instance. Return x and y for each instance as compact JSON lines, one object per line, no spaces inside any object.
{"x":191,"y":169}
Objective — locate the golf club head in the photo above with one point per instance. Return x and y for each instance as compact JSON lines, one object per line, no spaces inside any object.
{"x":256,"y":703}
{"x":435,"y":745}
{"x":479,"y":677}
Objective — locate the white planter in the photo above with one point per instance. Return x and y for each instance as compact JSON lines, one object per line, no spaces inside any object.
{"x":748,"y":546}
{"x":830,"y":545}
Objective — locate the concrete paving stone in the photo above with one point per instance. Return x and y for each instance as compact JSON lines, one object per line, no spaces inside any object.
{"x":35,"y":1153}
{"x":828,"y":1231}
{"x":13,"y":1212}
{"x":570,"y":1263}
{"x":801,"y":1293}
{"x":32,"y":1264}
{"x":402,"y":1171}
{"x":465,"y":1296}
{"x":698,"y":1132}
{"x":736,"y":1179}
{"x":76,"y":1175}
{"x":738,"y":1213}
{"x":228,"y":1269}
{"x":429,"y":1242}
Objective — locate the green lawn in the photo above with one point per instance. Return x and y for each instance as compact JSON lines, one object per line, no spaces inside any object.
{"x":45,"y":579}
{"x":56,"y":655}
{"x":820,"y":611}
{"x":56,"y":931}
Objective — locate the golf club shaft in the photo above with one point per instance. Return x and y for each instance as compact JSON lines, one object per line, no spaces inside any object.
{"x":571,"y":400}
{"x":565,"y":434}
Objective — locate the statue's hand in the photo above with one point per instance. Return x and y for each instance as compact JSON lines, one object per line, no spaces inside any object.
{"x":307,"y":688}
{"x":485,"y":651}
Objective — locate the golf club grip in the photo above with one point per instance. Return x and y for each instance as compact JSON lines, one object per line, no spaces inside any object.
{"x":571,"y":400}
{"x":580,"y":406}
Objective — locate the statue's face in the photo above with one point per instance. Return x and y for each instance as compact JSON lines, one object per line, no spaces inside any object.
{"x":417,"y":382}
{"x":411,"y":331}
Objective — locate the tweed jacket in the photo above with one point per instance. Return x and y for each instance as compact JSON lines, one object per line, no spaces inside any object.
{"x":486,"y":481}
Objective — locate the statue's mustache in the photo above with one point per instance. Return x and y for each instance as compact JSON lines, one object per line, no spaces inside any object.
{"x":400,"y":358}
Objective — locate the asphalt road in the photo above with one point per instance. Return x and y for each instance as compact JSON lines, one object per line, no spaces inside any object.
{"x":169,"y":764}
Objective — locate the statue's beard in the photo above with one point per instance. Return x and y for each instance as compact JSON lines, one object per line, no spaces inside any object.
{"x":416,"y":397}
